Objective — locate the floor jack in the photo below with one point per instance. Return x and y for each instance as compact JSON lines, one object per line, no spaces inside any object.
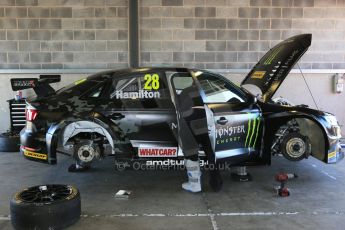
{"x":283,"y":178}
{"x":241,"y":175}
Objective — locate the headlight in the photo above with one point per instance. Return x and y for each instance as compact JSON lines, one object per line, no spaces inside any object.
{"x":332,"y":120}
{"x":336,"y":131}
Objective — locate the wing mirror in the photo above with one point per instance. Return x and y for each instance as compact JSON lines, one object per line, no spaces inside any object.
{"x":255,"y":99}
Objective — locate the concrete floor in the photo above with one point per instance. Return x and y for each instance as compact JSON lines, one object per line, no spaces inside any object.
{"x":317,"y":200}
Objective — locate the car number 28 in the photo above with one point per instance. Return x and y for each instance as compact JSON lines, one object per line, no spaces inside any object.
{"x":151,"y":81}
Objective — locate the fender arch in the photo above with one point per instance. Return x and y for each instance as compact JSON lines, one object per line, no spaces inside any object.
{"x":310,"y":126}
{"x":96,"y":122}
{"x":84,"y":126}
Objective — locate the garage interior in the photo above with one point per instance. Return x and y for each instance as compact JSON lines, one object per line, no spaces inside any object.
{"x":75,"y":38}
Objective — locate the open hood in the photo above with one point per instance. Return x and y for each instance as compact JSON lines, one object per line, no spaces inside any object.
{"x":275,"y":65}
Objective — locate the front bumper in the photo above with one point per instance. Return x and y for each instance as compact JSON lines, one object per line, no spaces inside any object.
{"x":34,"y":147}
{"x":335,"y":152}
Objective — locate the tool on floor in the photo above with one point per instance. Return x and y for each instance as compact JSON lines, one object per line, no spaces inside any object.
{"x":283,"y":178}
{"x":123,"y":194}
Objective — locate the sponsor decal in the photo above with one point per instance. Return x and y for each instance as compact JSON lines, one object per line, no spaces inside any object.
{"x":229,"y":133}
{"x":158,"y":152}
{"x":141,"y":94}
{"x":23,"y":83}
{"x":228,"y":140}
{"x":253,"y":132}
{"x":292,"y":57}
{"x":171,"y":162}
{"x":258,"y":74}
{"x":332,"y":157}
{"x":40,"y":156}
{"x":332,"y":154}
{"x":242,"y":133}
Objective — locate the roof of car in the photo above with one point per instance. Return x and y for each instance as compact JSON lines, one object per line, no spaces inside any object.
{"x":120,"y":72}
{"x":142,"y":69}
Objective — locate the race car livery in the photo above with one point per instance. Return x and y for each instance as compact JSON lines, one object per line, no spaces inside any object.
{"x":133,"y":114}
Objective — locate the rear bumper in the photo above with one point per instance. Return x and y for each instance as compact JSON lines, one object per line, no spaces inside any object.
{"x":34,"y":147}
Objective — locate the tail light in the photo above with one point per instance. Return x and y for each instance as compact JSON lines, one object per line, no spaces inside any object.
{"x":31,"y":114}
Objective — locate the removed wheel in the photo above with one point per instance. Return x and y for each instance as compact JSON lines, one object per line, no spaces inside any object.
{"x":295,"y":147}
{"x":45,"y":207}
{"x":9,"y":142}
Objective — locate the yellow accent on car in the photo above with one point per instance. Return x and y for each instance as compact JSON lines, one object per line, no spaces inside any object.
{"x":258,"y":74}
{"x":40,"y":156}
{"x":332,"y":154}
{"x":79,"y":81}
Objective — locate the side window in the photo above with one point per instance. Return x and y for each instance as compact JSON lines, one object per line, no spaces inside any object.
{"x":142,"y":86}
{"x":127,"y":85}
{"x":187,"y":93}
{"x":97,"y":92}
{"x":219,"y":91}
{"x":181,"y":81}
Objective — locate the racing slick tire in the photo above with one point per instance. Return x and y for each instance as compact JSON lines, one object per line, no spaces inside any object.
{"x":295,"y":147}
{"x":45,"y":207}
{"x":9,"y":142}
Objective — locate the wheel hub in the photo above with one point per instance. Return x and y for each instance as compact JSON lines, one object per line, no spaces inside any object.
{"x":46,"y":193}
{"x":296,"y":147}
{"x":86,"y":153}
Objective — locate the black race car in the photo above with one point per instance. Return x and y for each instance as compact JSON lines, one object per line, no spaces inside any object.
{"x":132,"y":114}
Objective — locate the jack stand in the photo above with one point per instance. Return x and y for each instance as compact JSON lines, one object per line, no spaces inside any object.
{"x":283,"y":178}
{"x":78,"y":168}
{"x":242,"y":175}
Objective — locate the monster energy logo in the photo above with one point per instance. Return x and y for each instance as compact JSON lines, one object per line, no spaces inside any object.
{"x":269,"y":60}
{"x":229,"y":131}
{"x":253,"y":132}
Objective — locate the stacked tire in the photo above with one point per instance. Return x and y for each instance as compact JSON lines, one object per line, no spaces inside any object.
{"x":9,"y":142}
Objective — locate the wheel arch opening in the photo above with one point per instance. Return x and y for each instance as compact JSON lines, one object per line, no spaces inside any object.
{"x":306,"y":126}
{"x":316,"y":135}
{"x":80,"y":127}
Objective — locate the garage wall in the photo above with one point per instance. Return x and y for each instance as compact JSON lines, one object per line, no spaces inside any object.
{"x":212,"y":34}
{"x":56,"y":34}
{"x":234,"y":34}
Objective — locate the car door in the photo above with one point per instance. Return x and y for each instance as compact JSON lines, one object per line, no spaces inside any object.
{"x":141,"y":107}
{"x":234,"y":120}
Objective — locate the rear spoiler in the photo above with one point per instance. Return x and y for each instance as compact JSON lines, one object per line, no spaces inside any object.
{"x":50,"y":78}
{"x":40,"y":85}
{"x":23,"y":83}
